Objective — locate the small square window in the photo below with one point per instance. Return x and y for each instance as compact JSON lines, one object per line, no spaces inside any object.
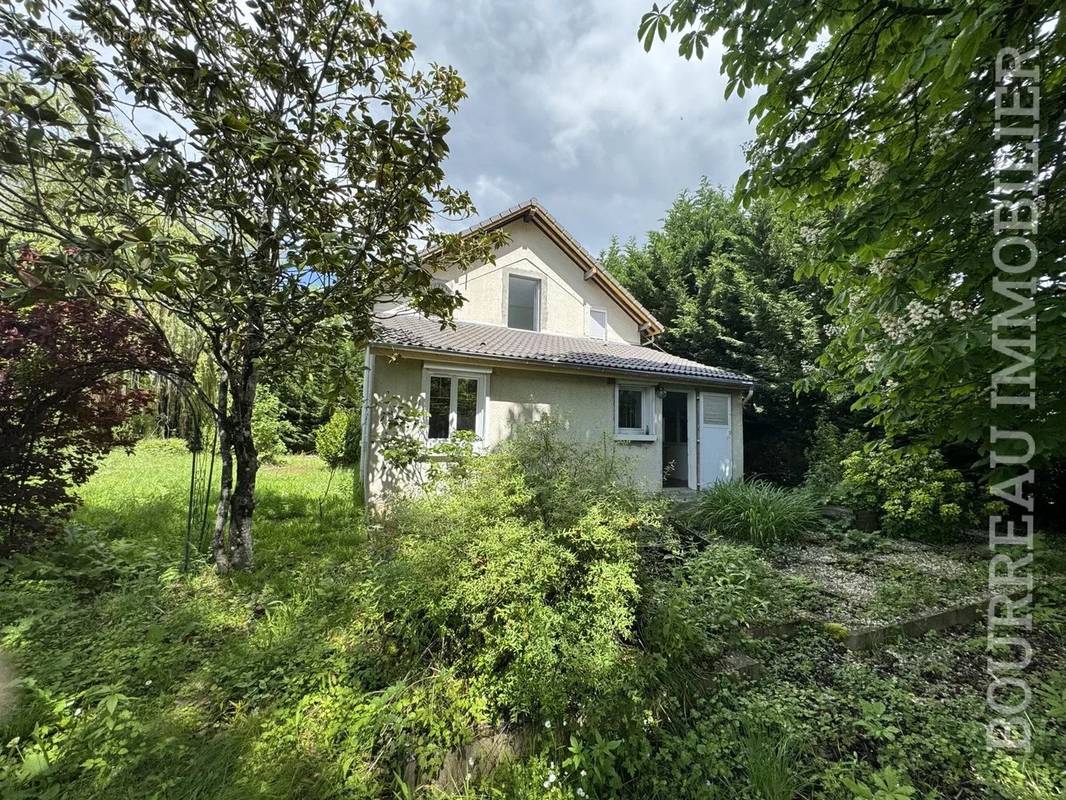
{"x":523,"y":303}
{"x":634,"y":412}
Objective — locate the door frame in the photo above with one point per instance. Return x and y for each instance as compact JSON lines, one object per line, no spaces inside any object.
{"x":691,"y":407}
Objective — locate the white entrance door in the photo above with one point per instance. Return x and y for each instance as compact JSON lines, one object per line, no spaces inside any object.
{"x":716,"y":442}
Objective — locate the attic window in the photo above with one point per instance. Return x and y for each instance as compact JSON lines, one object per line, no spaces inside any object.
{"x":523,"y":303}
{"x":597,"y":323}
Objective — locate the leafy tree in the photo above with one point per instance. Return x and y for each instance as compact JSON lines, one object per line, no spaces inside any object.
{"x":282,"y":172}
{"x":880,"y":118}
{"x":267,"y":426}
{"x":336,"y":440}
{"x":63,"y":399}
{"x":722,"y":281}
{"x":312,"y":390}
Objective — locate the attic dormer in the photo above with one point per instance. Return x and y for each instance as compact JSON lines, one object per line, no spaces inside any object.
{"x":543,"y":280}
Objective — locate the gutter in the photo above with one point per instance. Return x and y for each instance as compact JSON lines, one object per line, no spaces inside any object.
{"x":365,"y":420}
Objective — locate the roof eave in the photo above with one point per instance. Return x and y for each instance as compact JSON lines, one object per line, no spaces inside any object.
{"x":549,"y":366}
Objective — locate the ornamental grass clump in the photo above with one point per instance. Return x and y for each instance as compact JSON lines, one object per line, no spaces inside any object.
{"x":757,"y":512}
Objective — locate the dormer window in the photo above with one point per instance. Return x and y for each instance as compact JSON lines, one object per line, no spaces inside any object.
{"x":523,"y":303}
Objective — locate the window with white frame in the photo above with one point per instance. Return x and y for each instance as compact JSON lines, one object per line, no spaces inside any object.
{"x":455,"y":401}
{"x":597,"y":323}
{"x":523,"y":303}
{"x":634,"y":409}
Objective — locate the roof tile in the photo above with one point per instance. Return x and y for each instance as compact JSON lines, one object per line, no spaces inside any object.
{"x":413,"y":331}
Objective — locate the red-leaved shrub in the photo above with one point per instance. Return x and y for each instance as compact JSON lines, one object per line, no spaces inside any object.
{"x":63,"y":396}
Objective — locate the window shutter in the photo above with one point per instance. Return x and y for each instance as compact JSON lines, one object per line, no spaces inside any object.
{"x":715,"y":409}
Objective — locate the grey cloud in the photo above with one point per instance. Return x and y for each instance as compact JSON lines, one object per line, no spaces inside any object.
{"x":566,"y":106}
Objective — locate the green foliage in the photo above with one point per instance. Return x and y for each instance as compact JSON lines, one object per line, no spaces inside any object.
{"x":691,"y":617}
{"x":313,"y":388}
{"x":153,"y":444}
{"x":337,"y":440}
{"x":825,"y":458}
{"x":754,"y":511}
{"x":877,"y":119}
{"x":885,"y":784}
{"x":531,"y":593}
{"x":916,"y":494}
{"x":771,"y":761}
{"x":722,"y":280}
{"x":310,"y":676}
{"x":303,"y":157}
{"x":267,"y":425}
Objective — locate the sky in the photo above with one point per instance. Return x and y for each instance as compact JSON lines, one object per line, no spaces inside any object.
{"x":564,"y":105}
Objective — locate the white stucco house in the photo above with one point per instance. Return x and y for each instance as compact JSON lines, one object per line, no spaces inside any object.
{"x":547,"y":330}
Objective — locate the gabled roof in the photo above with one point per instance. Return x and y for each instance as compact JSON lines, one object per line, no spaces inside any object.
{"x":413,"y":332}
{"x":533,"y":212}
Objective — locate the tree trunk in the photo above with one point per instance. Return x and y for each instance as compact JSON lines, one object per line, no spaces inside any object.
{"x":218,"y":542}
{"x":246,"y":458}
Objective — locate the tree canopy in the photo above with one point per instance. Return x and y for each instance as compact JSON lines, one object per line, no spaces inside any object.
{"x":879,"y":119}
{"x":722,"y":281}
{"x":279,"y":170}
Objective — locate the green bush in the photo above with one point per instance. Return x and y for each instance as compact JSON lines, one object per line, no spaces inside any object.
{"x":914,"y":492}
{"x":692,"y":615}
{"x":530,"y":594}
{"x":825,"y":457}
{"x":155,"y":444}
{"x":267,"y":426}
{"x":336,"y":440}
{"x":756,"y":512}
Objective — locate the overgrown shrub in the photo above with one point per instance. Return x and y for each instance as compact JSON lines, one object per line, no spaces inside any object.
{"x":267,"y":426}
{"x":914,"y":492}
{"x":157,"y":444}
{"x":529,"y":590}
{"x":825,"y":457}
{"x":755,"y":511}
{"x":692,"y":614}
{"x":336,"y":440}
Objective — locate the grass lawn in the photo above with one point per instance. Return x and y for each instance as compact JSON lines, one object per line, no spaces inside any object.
{"x":137,"y":680}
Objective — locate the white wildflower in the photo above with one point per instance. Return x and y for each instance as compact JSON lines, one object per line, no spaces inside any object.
{"x":580,"y":792}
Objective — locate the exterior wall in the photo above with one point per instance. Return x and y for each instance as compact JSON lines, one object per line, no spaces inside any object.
{"x":737,"y":429}
{"x":583,"y":404}
{"x":565,"y":294}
